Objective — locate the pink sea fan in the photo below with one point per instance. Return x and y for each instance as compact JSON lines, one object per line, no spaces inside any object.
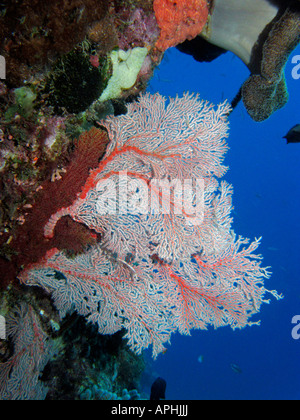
{"x":19,"y":375}
{"x":159,"y":268}
{"x":155,"y":144}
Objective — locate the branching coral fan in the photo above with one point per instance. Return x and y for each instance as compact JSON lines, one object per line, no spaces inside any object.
{"x":53,"y":195}
{"x":165,"y":266}
{"x":19,"y":375}
{"x":179,"y":20}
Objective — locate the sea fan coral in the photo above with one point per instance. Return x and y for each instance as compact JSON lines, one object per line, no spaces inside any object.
{"x":19,"y":375}
{"x":53,"y":195}
{"x":173,"y":264}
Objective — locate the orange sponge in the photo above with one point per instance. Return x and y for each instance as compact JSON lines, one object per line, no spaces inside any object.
{"x":179,"y":20}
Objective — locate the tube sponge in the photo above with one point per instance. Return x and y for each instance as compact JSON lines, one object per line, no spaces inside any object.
{"x":264,"y":43}
{"x":266,"y":92}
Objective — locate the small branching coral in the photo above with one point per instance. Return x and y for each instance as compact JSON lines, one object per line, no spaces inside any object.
{"x":165,"y":266}
{"x":58,"y":191}
{"x":19,"y":375}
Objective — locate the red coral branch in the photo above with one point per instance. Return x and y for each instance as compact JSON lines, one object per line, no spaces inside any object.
{"x":157,"y":272}
{"x":29,"y":243}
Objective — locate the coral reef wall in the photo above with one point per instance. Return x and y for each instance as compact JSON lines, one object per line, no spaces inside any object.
{"x":69,"y":64}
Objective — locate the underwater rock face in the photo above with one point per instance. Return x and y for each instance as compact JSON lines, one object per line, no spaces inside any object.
{"x":69,"y":62}
{"x":58,"y":59}
{"x":77,"y":80}
{"x":32,"y":33}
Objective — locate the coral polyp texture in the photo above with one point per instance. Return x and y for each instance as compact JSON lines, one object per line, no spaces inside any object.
{"x":168,"y":259}
{"x":179,"y":20}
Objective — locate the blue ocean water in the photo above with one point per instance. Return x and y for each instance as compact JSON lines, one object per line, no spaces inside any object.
{"x":265,"y":174}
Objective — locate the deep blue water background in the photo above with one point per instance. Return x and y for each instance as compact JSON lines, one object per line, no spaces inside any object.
{"x":265,"y":174}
